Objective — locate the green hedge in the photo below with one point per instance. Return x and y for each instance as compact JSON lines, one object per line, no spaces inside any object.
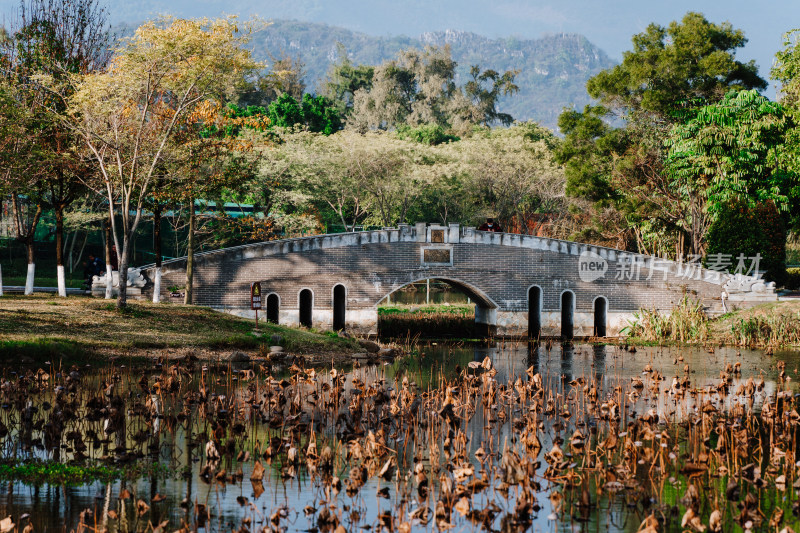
{"x":793,"y":278}
{"x":741,"y":229}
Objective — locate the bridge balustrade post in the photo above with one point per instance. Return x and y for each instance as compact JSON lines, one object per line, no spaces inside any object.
{"x":422,"y":231}
{"x":454,"y":234}
{"x":467,"y":234}
{"x":405,"y":232}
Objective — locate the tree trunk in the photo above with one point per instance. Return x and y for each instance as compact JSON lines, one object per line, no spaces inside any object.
{"x":25,"y":234}
{"x":71,"y":254}
{"x":62,"y":281}
{"x":77,"y":259}
{"x":109,"y":271}
{"x":122,"y":299}
{"x":157,"y":250}
{"x":190,"y":256}
{"x":31,"y":265}
{"x":109,"y":294}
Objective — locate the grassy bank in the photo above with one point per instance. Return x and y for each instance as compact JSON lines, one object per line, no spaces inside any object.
{"x":428,"y":321}
{"x":45,"y":326}
{"x":768,"y":325}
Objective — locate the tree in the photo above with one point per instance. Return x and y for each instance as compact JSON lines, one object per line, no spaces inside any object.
{"x":787,"y":69}
{"x":620,"y":169}
{"x":478,"y":103}
{"x":742,"y":229}
{"x":285,"y":77}
{"x":418,"y":88}
{"x":344,"y":80}
{"x":21,"y":158}
{"x":586,"y":153}
{"x":57,"y":39}
{"x":429,"y":134}
{"x":316,"y":113}
{"x":320,"y":115}
{"x":691,"y":60}
{"x":285,"y":112}
{"x":356,"y":176}
{"x":413,"y":89}
{"x":620,"y":172}
{"x":512,"y":174}
{"x":128,"y":114}
{"x":210,"y":156}
{"x":731,"y":152}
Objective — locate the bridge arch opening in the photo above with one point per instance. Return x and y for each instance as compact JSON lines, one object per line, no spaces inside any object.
{"x":273,"y":308}
{"x":535,"y":299}
{"x":306,"y":300}
{"x":567,"y":314}
{"x":413,"y":309}
{"x":339,"y":307}
{"x":600,"y":316}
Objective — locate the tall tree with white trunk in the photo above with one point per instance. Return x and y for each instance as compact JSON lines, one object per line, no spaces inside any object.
{"x":130,"y":114}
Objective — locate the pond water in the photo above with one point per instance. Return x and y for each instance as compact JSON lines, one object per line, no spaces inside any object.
{"x":420,"y":294}
{"x":445,"y":438}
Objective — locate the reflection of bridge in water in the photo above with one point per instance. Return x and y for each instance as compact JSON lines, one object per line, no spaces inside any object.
{"x":520,"y":284}
{"x":610,"y":366}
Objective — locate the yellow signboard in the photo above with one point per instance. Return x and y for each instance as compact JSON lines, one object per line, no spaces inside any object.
{"x":255,"y":295}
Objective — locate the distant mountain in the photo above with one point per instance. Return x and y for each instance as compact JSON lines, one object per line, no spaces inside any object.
{"x":552,"y":70}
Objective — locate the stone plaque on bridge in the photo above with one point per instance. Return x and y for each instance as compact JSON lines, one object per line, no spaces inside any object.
{"x":437,"y":256}
{"x":437,"y":235}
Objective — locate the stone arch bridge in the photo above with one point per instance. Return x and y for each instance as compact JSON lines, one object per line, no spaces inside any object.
{"x":521,"y":285}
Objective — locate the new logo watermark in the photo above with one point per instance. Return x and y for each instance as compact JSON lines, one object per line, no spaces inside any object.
{"x":591,"y":266}
{"x":635,"y":267}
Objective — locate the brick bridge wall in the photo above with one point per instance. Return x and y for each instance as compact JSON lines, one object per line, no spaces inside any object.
{"x":495,"y":269}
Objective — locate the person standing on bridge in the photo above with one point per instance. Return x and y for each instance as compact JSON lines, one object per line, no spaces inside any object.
{"x":491,"y":225}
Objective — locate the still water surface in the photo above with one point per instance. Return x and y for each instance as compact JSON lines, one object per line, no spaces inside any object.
{"x":125,"y":416}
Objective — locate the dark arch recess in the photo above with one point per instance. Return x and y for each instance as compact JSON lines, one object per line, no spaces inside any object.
{"x":567,"y":314}
{"x":273,"y":308}
{"x":339,"y":307}
{"x":535,"y":299}
{"x":306,"y":307}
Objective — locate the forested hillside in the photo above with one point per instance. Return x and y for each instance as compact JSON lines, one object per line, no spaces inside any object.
{"x":552,"y":70}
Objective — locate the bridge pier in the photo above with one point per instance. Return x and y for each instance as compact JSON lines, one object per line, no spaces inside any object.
{"x":516,"y":323}
{"x":359,"y":321}
{"x":485,"y":320}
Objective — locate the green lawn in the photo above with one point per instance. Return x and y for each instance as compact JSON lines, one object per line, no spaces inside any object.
{"x":43,"y":324}
{"x":41,"y":282}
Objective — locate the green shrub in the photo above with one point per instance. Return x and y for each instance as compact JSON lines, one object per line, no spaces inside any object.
{"x":52,"y":473}
{"x":770,"y":330}
{"x":752,"y":230}
{"x":793,"y":278}
{"x":686,"y":323}
{"x":41,"y":349}
{"x":430,"y":134}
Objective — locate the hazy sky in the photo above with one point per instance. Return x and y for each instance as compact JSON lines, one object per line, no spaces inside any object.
{"x":607,"y":23}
